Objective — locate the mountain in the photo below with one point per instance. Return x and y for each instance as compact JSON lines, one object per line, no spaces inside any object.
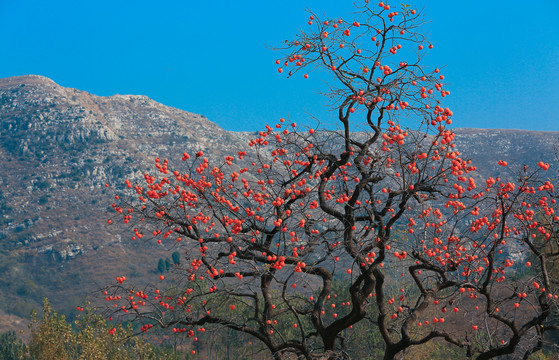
{"x":58,"y":149}
{"x":485,"y":147}
{"x":60,"y":146}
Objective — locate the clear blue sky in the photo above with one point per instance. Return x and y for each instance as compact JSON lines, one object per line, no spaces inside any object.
{"x":211,"y":57}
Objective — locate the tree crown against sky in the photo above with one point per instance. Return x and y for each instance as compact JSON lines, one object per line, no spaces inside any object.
{"x":309,"y":233}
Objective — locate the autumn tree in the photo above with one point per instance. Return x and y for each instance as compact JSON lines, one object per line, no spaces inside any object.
{"x":385,"y":205}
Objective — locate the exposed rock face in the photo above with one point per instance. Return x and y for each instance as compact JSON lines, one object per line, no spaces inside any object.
{"x":520,"y":147}
{"x":59,"y":146}
{"x":38,"y":115}
{"x":58,"y":149}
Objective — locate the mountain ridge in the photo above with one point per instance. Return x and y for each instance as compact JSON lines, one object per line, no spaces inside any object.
{"x":60,"y":146}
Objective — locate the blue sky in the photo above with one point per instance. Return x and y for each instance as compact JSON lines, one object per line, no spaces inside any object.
{"x":501,"y":58}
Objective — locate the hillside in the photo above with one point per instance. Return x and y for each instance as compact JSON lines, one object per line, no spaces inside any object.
{"x":518,"y":147}
{"x":58,"y":149}
{"x":60,"y":146}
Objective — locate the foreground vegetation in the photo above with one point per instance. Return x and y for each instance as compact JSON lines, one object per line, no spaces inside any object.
{"x":89,"y":337}
{"x":52,"y":337}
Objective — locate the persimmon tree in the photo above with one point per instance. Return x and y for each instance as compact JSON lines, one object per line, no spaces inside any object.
{"x":384,"y":205}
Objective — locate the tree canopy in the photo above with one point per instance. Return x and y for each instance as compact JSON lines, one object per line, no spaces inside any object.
{"x":383,"y":223}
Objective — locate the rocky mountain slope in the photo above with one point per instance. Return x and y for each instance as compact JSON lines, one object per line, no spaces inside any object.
{"x":60,"y":146}
{"x":58,"y":149}
{"x":518,"y":147}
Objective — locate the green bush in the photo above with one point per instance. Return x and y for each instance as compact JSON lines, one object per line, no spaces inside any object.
{"x":92,"y":338}
{"x":11,"y":348}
